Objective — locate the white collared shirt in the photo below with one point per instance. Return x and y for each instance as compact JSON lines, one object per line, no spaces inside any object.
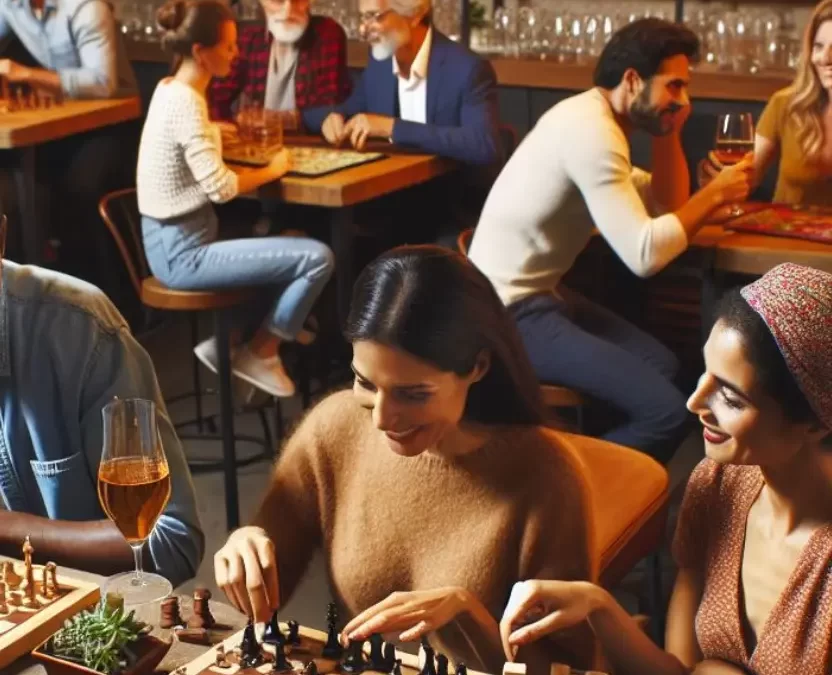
{"x":413,"y":90}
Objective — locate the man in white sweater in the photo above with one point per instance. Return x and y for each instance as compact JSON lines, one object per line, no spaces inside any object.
{"x":572,"y":173}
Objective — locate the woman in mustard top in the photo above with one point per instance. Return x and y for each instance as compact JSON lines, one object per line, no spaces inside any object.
{"x":797,"y":124}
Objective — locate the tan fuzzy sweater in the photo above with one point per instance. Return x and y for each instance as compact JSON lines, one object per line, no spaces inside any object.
{"x":512,"y":510}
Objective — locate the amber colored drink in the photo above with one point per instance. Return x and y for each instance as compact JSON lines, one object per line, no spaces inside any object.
{"x":731,"y":152}
{"x":133,"y":492}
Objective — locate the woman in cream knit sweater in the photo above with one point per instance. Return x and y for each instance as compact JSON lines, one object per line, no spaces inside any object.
{"x":431,"y":487}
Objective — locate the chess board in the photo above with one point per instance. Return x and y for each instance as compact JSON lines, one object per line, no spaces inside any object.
{"x":309,"y":650}
{"x":22,"y":629}
{"x":813,"y":224}
{"x":312,"y":162}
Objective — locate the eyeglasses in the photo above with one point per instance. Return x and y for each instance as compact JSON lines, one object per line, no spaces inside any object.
{"x":376,"y":16}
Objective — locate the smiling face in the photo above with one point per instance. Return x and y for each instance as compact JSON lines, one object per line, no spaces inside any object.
{"x":217,"y":59}
{"x":413,"y":403}
{"x":661,"y":97}
{"x":822,"y":54}
{"x":742,"y":424}
{"x":384,"y":29}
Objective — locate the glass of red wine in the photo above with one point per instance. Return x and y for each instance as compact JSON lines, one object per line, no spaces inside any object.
{"x":734,"y":137}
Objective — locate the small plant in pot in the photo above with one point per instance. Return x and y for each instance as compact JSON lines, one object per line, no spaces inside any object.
{"x":106,"y":640}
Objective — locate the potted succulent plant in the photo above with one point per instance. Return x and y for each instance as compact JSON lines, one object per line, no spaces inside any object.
{"x":105,"y":640}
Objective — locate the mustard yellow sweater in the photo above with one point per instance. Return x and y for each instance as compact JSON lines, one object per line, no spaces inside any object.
{"x":512,"y":510}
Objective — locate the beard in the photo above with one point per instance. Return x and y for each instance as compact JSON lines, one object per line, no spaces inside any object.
{"x":287,"y":31}
{"x":652,"y":119}
{"x":386,"y":45}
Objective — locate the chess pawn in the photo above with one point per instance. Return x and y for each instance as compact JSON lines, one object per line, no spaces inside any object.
{"x":10,"y":577}
{"x":3,"y":606}
{"x":221,"y":661}
{"x":354,"y":660}
{"x":462,"y":669}
{"x":201,"y":618}
{"x":50,"y":580}
{"x":294,"y":633}
{"x":441,"y":664}
{"x":170,"y":613}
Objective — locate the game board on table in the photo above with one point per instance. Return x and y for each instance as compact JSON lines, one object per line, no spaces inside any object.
{"x":291,"y":649}
{"x":34,"y":602}
{"x":312,"y":162}
{"x":813,"y":224}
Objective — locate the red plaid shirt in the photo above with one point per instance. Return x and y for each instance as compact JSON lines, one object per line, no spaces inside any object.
{"x":322,"y":76}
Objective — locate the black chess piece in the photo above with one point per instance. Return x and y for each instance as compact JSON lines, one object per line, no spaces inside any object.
{"x":281,"y":663}
{"x":294,"y":633}
{"x":353,"y":662}
{"x":252,"y":655}
{"x":333,"y":648}
{"x":376,"y":653}
{"x":441,"y":664}
{"x":272,"y":634}
{"x":430,"y":666}
{"x":397,"y":667}
{"x":389,"y":656}
{"x":462,"y":669}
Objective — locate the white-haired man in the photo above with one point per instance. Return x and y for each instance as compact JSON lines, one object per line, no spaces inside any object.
{"x":420,"y":89}
{"x":291,"y":62}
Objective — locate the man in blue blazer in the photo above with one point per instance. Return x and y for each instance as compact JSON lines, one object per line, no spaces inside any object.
{"x":420,"y":90}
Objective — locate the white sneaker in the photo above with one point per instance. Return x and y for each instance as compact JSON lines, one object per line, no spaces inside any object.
{"x":266,"y":374}
{"x":206,"y":352}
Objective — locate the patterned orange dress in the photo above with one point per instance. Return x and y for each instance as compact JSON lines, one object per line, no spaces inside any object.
{"x":710,"y":538}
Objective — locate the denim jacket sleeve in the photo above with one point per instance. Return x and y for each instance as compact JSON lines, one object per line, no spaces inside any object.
{"x":121,"y":367}
{"x":93,"y":29}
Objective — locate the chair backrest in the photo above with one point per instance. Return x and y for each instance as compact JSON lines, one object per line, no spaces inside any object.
{"x":629,"y":496}
{"x":120,"y":212}
{"x":463,"y":241}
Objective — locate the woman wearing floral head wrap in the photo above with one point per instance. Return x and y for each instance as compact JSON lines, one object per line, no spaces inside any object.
{"x":754,"y":537}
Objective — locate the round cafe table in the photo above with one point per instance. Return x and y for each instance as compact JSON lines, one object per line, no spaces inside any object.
{"x":180,"y":652}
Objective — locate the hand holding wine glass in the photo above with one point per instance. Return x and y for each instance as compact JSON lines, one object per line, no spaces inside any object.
{"x":734,"y":140}
{"x":134,"y":489}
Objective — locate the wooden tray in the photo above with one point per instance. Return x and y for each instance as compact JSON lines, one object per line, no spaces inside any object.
{"x":23,"y":630}
{"x":150,"y":651}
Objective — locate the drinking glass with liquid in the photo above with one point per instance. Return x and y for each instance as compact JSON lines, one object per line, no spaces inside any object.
{"x":734,"y":137}
{"x":134,"y":489}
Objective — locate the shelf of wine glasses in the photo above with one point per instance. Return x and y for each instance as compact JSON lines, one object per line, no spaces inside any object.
{"x":706,"y":83}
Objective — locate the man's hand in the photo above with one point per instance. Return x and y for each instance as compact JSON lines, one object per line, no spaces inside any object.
{"x":680,"y":117}
{"x":366,"y":125}
{"x":333,"y":129}
{"x":14,"y":71}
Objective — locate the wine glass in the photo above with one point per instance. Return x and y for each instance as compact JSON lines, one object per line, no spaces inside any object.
{"x":734,"y":137}
{"x":134,"y":488}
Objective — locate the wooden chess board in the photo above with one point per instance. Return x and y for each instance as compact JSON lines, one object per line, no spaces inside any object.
{"x":311,"y":644}
{"x":312,"y":162}
{"x":813,"y":224}
{"x":22,"y":629}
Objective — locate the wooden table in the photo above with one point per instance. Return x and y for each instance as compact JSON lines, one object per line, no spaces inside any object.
{"x":22,"y":131}
{"x":341,"y":191}
{"x":180,"y":653}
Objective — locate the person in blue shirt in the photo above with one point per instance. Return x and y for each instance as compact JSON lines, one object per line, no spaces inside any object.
{"x":65,"y":352}
{"x":72,"y":49}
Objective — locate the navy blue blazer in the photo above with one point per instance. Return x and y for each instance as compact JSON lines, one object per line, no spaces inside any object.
{"x":462,"y":116}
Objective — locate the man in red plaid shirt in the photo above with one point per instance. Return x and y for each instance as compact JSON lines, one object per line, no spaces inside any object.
{"x":292,"y":62}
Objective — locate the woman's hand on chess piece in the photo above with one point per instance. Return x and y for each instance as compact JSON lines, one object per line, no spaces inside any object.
{"x":13,"y":71}
{"x":333,"y":128}
{"x":413,"y":614}
{"x":537,"y":608}
{"x":246,"y":571}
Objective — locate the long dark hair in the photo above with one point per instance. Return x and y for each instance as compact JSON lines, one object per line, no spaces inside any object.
{"x":191,"y":22}
{"x":435,"y":305}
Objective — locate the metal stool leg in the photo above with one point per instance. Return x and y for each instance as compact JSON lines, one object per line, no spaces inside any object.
{"x":232,"y":500}
{"x":194,"y":320}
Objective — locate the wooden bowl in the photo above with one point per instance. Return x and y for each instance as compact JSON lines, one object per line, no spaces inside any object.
{"x":150,"y":651}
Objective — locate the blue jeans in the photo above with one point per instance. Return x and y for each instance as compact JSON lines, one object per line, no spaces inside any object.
{"x":184,"y":254}
{"x":577,"y":344}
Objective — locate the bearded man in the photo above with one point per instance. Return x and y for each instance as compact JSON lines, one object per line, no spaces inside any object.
{"x":420,"y":90}
{"x":572,"y":174}
{"x":292,"y":62}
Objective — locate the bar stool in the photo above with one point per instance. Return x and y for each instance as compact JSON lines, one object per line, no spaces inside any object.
{"x":120,"y":213}
{"x":554,"y":397}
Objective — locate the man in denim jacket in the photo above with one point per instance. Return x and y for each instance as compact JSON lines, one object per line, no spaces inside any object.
{"x":65,"y":351}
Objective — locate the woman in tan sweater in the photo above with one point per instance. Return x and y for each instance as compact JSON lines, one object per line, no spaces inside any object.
{"x":431,"y":487}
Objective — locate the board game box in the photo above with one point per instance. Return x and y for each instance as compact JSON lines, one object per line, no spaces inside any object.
{"x":780,"y":220}
{"x":35,"y":600}
{"x":312,"y":162}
